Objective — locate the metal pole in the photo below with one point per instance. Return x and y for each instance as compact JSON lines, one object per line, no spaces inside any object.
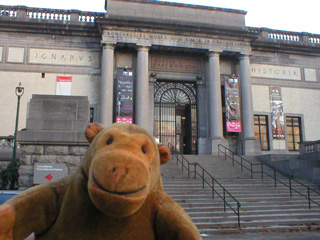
{"x":275,"y":178}
{"x":261,"y":170}
{"x":15,"y":131}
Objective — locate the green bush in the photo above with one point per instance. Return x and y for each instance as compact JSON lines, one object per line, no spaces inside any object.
{"x":9,"y":176}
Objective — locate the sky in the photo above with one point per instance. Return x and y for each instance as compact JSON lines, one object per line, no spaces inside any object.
{"x":287,"y":15}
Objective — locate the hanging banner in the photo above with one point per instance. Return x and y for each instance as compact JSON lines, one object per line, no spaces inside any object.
{"x":277,"y":113}
{"x":232,"y":105}
{"x":124,"y":101}
{"x":64,"y":85}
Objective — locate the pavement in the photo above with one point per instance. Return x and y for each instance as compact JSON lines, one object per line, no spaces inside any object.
{"x":304,"y":235}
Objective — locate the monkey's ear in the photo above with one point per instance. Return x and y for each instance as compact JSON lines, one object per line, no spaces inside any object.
{"x":92,"y":130}
{"x":164,"y":152}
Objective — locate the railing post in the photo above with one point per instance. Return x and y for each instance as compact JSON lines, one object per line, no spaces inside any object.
{"x":275,"y":178}
{"x":195,"y":170}
{"x":202,"y":177}
{"x":212,"y":187}
{"x":309,"y":198}
{"x":251,"y":171}
{"x":225,"y":153}
{"x":238,"y":208}
{"x":232,"y":159}
{"x":224,"y":199}
{"x":241,"y":165}
{"x":219,"y":150}
{"x":182,"y":162}
{"x":290,"y":187}
{"x":177,"y":157}
{"x":188,"y":170}
{"x":261,"y":170}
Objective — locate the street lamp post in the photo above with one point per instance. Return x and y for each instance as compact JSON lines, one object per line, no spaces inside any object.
{"x":19,"y":92}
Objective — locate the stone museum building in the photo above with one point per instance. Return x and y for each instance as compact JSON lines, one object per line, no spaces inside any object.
{"x":193,"y":76}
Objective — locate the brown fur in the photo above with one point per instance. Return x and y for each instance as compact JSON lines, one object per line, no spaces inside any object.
{"x":117,"y":193}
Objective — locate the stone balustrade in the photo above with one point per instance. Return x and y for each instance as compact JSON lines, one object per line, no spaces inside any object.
{"x":80,"y":17}
{"x":65,"y":16}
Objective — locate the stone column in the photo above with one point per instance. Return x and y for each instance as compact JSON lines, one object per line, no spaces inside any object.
{"x":250,"y":145}
{"x":142,"y":89}
{"x":215,"y":105}
{"x":106,"y":91}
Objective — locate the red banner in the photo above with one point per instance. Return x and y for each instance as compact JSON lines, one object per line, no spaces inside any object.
{"x":64,"y":85}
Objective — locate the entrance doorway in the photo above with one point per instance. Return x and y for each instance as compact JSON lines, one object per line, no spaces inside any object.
{"x":175,"y":119}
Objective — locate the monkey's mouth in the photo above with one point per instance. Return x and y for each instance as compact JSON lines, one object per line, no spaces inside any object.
{"x":116,"y":192}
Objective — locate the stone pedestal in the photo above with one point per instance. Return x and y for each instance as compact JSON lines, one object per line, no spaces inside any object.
{"x":54,"y":134}
{"x":215,"y":145}
{"x":56,"y":120}
{"x":251,"y":147}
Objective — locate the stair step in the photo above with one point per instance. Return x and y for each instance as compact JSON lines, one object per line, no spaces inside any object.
{"x":262,"y":205}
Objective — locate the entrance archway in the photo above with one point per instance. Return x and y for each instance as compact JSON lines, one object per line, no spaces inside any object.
{"x":175,"y":119}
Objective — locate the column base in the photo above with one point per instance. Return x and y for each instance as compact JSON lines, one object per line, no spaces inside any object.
{"x":204,"y":146}
{"x":251,"y":147}
{"x":214,"y":145}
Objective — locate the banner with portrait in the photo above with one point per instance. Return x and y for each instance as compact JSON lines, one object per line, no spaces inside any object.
{"x":233,"y":121}
{"x":276,"y":113}
{"x":124,"y":96}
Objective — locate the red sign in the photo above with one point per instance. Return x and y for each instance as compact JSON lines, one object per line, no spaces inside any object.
{"x":49,"y":177}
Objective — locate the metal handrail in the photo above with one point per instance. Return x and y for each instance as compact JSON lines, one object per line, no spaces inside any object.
{"x":262,"y":171}
{"x":212,"y":183}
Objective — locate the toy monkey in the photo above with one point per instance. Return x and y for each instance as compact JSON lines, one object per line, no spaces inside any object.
{"x":116,"y":194}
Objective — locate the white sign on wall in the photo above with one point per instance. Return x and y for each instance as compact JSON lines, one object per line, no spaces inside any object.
{"x":64,"y":85}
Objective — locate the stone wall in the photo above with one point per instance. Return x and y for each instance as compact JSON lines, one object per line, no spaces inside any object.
{"x":71,"y":155}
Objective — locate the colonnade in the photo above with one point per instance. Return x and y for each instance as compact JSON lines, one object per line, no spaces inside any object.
{"x":142,"y":98}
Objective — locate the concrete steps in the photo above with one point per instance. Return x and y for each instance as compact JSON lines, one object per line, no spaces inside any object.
{"x":263,"y":207}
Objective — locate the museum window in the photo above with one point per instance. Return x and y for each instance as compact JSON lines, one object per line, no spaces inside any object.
{"x":293,"y":132}
{"x":261,"y":131}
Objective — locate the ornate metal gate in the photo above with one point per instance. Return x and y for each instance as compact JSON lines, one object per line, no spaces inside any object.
{"x":175,"y":119}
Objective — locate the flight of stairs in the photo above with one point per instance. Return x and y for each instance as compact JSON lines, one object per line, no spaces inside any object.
{"x":263,"y":207}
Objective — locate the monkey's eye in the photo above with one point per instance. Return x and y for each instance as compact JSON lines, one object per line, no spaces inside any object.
{"x":143,"y":149}
{"x":110,"y":140}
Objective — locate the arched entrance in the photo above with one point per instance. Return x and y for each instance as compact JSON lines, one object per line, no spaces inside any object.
{"x":175,"y":119}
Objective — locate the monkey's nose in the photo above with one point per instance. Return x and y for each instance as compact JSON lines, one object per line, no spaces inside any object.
{"x":118,"y":172}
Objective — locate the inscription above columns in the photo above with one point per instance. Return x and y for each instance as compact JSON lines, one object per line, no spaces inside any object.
{"x":148,"y":39}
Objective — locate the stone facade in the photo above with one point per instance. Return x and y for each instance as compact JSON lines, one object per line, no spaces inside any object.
{"x":182,"y":43}
{"x":71,"y":155}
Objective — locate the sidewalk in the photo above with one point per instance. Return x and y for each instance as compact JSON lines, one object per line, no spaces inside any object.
{"x":307,"y":235}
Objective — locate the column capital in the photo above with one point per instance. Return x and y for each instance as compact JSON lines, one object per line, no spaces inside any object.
{"x":108,"y":46}
{"x":143,"y":48}
{"x":213,"y":54}
{"x":244,"y":56}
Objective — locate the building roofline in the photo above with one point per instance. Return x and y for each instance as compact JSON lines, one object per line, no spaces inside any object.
{"x":187,"y":5}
